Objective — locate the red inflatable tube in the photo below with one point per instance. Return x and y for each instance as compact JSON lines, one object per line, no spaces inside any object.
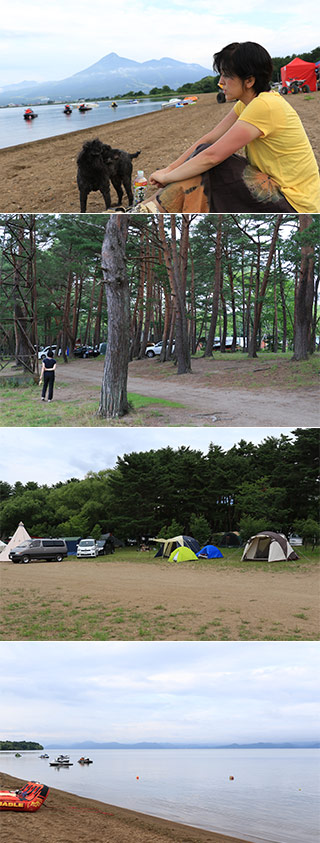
{"x":27,"y":798}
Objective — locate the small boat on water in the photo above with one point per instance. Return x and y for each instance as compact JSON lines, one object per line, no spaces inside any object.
{"x":44,"y":756}
{"x":17,"y":755}
{"x":67,"y":109}
{"x":29,"y":114}
{"x":85,"y":761}
{"x":113,"y":105}
{"x":30,"y":797}
{"x":84,"y":107}
{"x":61,"y":761}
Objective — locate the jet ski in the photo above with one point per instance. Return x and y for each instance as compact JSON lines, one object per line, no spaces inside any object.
{"x":29,"y":114}
{"x":83,"y":107}
{"x":67,"y":109}
{"x":30,"y":797}
{"x":61,"y":761}
{"x":85,"y":761}
{"x":113,"y":105}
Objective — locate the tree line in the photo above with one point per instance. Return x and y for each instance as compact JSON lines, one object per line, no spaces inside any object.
{"x":184,"y":279}
{"x":273,"y":485}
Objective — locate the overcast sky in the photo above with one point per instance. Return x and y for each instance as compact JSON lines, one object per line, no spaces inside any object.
{"x":50,"y":456}
{"x":158,"y":691}
{"x":56,"y":39}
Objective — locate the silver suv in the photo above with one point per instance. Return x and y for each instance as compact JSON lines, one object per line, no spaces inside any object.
{"x":50,"y":550}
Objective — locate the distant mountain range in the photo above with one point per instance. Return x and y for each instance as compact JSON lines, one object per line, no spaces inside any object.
{"x":109,"y":76}
{"x":150,"y":745}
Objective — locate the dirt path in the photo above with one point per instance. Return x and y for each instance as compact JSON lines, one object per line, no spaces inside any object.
{"x":203,"y":405}
{"x":133,"y":600}
{"x":41,"y":176}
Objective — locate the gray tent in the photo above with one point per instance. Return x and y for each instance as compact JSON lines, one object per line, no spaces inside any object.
{"x":268,"y":547}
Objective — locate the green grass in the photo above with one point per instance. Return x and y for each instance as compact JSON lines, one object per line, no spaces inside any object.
{"x":21,"y":407}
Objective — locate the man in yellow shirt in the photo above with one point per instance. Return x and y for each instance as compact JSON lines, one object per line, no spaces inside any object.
{"x":279,"y":173}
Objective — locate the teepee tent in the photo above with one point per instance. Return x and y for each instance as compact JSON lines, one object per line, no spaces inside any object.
{"x":268,"y":547}
{"x":182,"y":554}
{"x":210,"y":552}
{"x":168,"y":545}
{"x":19,"y":536}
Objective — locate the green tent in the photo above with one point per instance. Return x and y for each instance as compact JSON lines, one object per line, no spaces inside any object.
{"x":183,"y":554}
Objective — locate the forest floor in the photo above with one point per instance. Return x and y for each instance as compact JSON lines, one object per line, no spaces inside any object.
{"x":227,"y":390}
{"x":130,"y":596}
{"x":41,"y":176}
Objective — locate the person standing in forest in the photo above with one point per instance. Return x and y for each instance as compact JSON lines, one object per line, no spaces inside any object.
{"x":47,"y":376}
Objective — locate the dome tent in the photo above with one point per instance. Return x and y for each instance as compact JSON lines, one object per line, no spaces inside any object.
{"x":168,"y":545}
{"x":299,"y":69}
{"x":182,"y":554}
{"x":18,"y":537}
{"x":210,"y":552}
{"x":268,"y":547}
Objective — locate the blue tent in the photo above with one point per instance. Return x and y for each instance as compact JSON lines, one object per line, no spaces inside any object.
{"x":210,"y":551}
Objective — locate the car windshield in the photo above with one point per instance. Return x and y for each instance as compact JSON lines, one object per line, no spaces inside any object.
{"x":86,"y":542}
{"x":23,"y":544}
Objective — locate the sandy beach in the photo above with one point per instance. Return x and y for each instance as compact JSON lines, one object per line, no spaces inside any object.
{"x":64,"y":818}
{"x":41,"y":176}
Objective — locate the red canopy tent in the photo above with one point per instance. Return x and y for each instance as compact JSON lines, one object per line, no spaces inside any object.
{"x":299,"y":69}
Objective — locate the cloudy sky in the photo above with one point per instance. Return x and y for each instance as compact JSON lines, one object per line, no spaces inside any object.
{"x":53,"y":40}
{"x":159,"y":691}
{"x":50,"y":456}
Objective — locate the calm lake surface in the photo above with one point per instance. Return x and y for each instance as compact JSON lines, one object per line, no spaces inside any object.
{"x":51,"y":121}
{"x":273,"y":798}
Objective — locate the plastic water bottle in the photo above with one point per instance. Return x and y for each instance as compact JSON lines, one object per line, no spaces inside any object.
{"x":140,"y":186}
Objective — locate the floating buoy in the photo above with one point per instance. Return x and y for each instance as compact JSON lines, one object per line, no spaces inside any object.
{"x":231,"y":778}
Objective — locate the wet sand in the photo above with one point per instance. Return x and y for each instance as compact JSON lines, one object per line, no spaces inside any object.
{"x":64,"y":818}
{"x":41,"y":176}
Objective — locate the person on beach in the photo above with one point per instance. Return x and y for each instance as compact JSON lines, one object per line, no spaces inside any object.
{"x":279,"y":172}
{"x":47,"y":376}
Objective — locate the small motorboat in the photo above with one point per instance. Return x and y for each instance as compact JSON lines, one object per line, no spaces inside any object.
{"x":27,"y":798}
{"x":85,"y":761}
{"x":44,"y":756}
{"x":83,"y":107}
{"x":29,"y":114}
{"x":61,"y":761}
{"x":17,"y":755}
{"x":114,"y":105}
{"x":67,"y":109}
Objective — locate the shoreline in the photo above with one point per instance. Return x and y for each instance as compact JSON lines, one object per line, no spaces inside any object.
{"x":60,"y":815}
{"x":41,"y":175}
{"x":88,"y":129}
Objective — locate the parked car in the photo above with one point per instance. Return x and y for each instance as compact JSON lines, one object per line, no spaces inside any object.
{"x":86,"y":351}
{"x":153,"y":350}
{"x":217,"y":343}
{"x":87,"y":547}
{"x":295,"y":540}
{"x":44,"y":351}
{"x":105,"y":547}
{"x":49,"y":550}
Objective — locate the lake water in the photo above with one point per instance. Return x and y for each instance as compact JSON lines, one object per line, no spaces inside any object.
{"x":51,"y":121}
{"x":273,"y":798}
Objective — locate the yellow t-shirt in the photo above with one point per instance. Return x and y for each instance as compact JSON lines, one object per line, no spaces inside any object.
{"x":283,"y":151}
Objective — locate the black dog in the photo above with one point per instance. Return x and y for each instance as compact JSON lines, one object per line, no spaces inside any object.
{"x":98,"y":164}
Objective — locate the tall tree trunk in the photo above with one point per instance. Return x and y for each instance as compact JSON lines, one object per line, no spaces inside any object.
{"x":283,"y":305}
{"x":260,"y":294}
{"x":216,"y":290}
{"x":275,"y":330}
{"x":304,"y":294}
{"x":114,"y":400}
{"x":177,"y":284}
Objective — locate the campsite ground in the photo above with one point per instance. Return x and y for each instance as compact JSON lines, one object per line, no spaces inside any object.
{"x":42,"y":175}
{"x":130,"y":596}
{"x":225,"y":390}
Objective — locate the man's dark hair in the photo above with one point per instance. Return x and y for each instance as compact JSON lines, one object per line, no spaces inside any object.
{"x":50,"y":353}
{"x":244,"y":60}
